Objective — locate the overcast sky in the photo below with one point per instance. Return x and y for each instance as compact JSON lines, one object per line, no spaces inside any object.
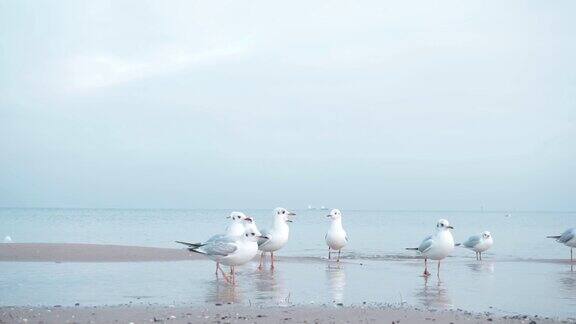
{"x":237,"y":104}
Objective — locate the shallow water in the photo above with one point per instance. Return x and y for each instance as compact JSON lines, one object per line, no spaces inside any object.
{"x":522,"y":274}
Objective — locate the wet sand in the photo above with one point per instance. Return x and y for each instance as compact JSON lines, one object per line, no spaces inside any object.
{"x":235,"y":314}
{"x":67,"y":252}
{"x":77,"y":252}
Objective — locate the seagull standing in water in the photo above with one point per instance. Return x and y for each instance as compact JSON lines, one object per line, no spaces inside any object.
{"x":237,"y":227}
{"x":336,"y":237}
{"x":277,"y":236}
{"x":229,"y":250}
{"x":479,"y":243}
{"x":436,"y":246}
{"x":567,"y":238}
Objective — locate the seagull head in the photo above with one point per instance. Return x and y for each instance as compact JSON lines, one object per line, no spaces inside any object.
{"x":443,"y":224}
{"x":237,"y":216}
{"x":486,"y":235}
{"x":335,"y":214}
{"x":283,"y":214}
{"x":253,"y":234}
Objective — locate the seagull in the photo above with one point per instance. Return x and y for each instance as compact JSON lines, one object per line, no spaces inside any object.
{"x":567,"y":238}
{"x":277,"y":236}
{"x":436,"y":246}
{"x":336,"y":237}
{"x":229,"y":250}
{"x":236,"y":228}
{"x":479,"y":243}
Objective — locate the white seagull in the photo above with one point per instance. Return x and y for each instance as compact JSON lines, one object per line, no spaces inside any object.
{"x":479,"y":243}
{"x":237,"y":227}
{"x":277,"y":236}
{"x":436,"y":246}
{"x":229,"y":250}
{"x":336,"y":237}
{"x":567,"y":238}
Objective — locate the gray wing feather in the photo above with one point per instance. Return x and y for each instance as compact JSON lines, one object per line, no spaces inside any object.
{"x":426,"y":244}
{"x":215,"y":238}
{"x":472,"y":241}
{"x":219,"y":248}
{"x":567,"y":235}
{"x":263,"y":241}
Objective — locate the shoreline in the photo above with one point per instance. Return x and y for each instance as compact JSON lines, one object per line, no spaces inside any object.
{"x":91,"y":252}
{"x":232,"y":313}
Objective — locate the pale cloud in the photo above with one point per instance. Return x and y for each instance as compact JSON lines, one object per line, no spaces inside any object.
{"x":105,"y":70}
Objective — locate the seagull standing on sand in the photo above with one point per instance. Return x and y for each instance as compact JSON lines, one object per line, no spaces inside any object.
{"x":436,"y":246}
{"x":336,"y":237}
{"x":277,"y":236}
{"x":479,"y":243}
{"x":567,"y":238}
{"x":229,"y":250}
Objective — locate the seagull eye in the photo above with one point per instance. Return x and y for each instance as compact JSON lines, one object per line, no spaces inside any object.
{"x":246,"y":235}
{"x":253,"y":234}
{"x":283,"y":212}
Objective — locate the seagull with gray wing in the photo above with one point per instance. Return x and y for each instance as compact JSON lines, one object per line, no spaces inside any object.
{"x":229,"y":250}
{"x":277,"y":236}
{"x":479,"y":243}
{"x":567,"y":238}
{"x":436,"y":246}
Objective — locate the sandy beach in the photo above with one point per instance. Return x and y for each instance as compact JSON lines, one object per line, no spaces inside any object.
{"x":67,"y":252}
{"x":46,"y":280}
{"x":245,"y":314}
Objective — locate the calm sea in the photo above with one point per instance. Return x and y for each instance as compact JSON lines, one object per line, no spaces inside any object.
{"x":521,"y":274}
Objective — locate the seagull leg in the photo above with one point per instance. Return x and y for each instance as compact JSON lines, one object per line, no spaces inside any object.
{"x":217,"y":266}
{"x":571,"y":252}
{"x":438,"y":268}
{"x":480,"y":255}
{"x":338,"y":260}
{"x":261,"y":260}
{"x":426,"y":273}
{"x":328,"y":253}
{"x":224,"y":274}
{"x":271,"y":260}
{"x":233,"y":275}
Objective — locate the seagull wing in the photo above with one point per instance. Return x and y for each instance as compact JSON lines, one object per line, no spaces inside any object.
{"x":426,"y":244}
{"x":220,"y":247}
{"x":262,"y":241}
{"x":567,"y":235}
{"x":472,"y":241}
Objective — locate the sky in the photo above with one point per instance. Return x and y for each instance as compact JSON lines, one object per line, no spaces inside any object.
{"x":257,"y":104}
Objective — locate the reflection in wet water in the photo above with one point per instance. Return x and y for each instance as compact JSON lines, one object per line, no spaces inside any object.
{"x":269,"y":285}
{"x":567,"y":283}
{"x":336,"y":280}
{"x":487,"y":267}
{"x":219,"y":291}
{"x":434,"y":294}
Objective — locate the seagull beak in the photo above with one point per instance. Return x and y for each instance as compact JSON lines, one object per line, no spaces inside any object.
{"x":451,"y":227}
{"x":289,"y":221}
{"x":228,"y":216}
{"x":263,"y":236}
{"x":291,"y":214}
{"x":249,"y":219}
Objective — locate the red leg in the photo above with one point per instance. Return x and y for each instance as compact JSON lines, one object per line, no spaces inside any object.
{"x":271,"y":260}
{"x":261,"y":261}
{"x":426,"y":273}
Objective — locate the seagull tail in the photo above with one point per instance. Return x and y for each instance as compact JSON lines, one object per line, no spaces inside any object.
{"x":412,"y":249}
{"x":554,"y":236}
{"x":191,"y":246}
